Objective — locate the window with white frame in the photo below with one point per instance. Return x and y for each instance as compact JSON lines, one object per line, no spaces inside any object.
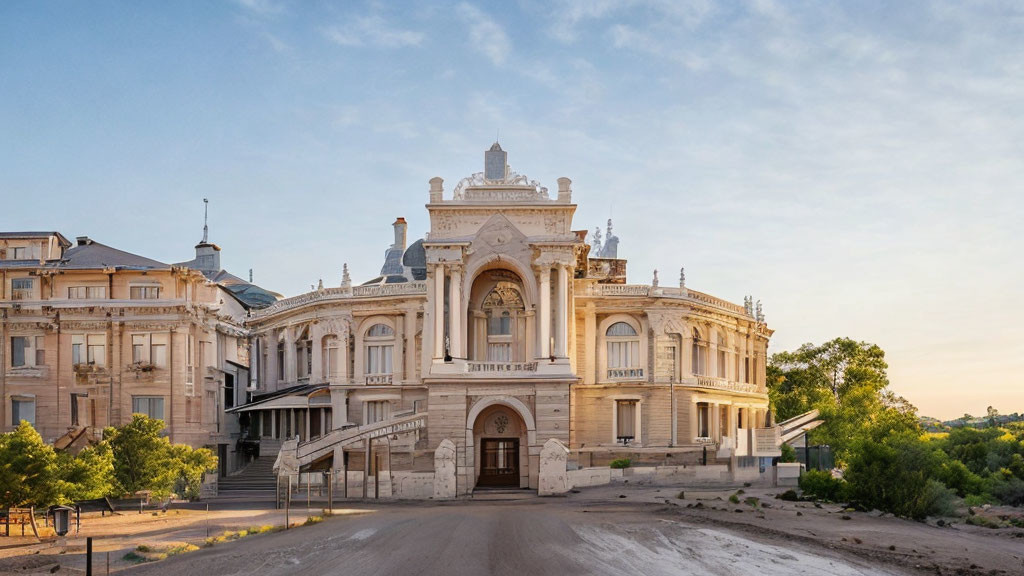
{"x":626,"y":420}
{"x":699,"y":354}
{"x":152,"y":406}
{"x":146,"y":292}
{"x":376,"y":411}
{"x":379,"y":342}
{"x":87,"y":292}
{"x":280,"y":360}
{"x":721,"y":356}
{"x":623,"y":345}
{"x":23,"y":408}
{"x":21,"y":288}
{"x":331,"y":357}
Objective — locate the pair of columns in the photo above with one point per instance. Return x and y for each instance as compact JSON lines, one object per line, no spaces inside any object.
{"x":549,"y":346}
{"x":560,"y":342}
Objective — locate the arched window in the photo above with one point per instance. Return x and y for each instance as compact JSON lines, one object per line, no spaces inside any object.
{"x":502,"y":306}
{"x":380,"y":347}
{"x":623,"y":351}
{"x":699,"y":354}
{"x":722,"y":347}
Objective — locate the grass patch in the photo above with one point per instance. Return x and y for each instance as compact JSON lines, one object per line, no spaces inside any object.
{"x":735,"y":499}
{"x":313,"y":520}
{"x":983,"y":521}
{"x":752,"y":501}
{"x":232,"y":535}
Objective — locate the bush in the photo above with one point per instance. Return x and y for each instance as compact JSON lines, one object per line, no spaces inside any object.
{"x":788,"y":453}
{"x":983,"y":521}
{"x":735,"y":499}
{"x":934,"y":500}
{"x":789,"y":496}
{"x":972,"y":500}
{"x":620,"y":463}
{"x":821,"y":485}
{"x":1009,"y":492}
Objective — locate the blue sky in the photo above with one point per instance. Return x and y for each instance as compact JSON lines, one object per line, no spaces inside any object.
{"x":857,"y":166}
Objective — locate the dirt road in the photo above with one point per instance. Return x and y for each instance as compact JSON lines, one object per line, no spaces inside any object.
{"x":558,"y":537}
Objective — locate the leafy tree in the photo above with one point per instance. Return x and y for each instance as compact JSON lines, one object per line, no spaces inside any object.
{"x":191,"y":464}
{"x":847,"y":382}
{"x":88,"y":475}
{"x":28,"y":469}
{"x":143,"y":459}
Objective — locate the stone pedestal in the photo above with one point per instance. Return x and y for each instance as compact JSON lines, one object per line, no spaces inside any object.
{"x":444,"y":470}
{"x":553,"y":476}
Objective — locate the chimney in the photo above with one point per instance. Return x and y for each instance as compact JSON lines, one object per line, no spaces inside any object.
{"x":400,"y":228}
{"x":83,"y":240}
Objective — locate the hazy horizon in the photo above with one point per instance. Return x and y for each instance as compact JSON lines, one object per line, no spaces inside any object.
{"x":859,"y":168}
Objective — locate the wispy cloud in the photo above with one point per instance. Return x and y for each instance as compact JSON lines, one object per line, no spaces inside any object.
{"x":486,"y":35}
{"x":372,"y":30}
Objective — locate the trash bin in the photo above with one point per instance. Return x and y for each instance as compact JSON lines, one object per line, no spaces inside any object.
{"x":61,"y":519}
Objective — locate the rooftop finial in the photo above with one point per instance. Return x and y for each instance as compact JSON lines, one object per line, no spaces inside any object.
{"x":346,"y":280}
{"x":206,"y":211}
{"x":682,"y":278}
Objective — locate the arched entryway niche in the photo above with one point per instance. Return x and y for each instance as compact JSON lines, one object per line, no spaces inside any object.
{"x":500,"y":318}
{"x":500,"y":431}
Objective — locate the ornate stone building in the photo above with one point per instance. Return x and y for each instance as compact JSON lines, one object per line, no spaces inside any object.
{"x":501,"y":331}
{"x":91,"y":334}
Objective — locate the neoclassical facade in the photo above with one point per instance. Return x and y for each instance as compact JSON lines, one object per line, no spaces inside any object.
{"x":501,"y":330}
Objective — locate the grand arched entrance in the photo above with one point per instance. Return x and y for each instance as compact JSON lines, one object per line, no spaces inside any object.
{"x":500,"y":439}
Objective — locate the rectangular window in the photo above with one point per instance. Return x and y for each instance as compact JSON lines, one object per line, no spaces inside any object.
{"x":77,"y":349}
{"x":698,"y":359}
{"x":625,"y":420}
{"x":376,"y":411}
{"x":702,"y":420}
{"x":144,"y":292}
{"x":721,"y":363}
{"x":87,"y":292}
{"x":19,"y":253}
{"x":152,"y":406}
{"x":96,"y":349}
{"x":158,"y":350}
{"x":23,"y":408}
{"x":624,"y":354}
{"x":378,"y":359}
{"x":746,"y":370}
{"x":40,"y":352}
{"x":21,"y":289}
{"x":19,"y":346}
{"x":139,"y":348}
{"x":229,"y":391}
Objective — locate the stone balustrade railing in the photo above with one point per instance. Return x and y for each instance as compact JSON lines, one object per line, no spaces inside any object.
{"x":379,"y":379}
{"x":344,"y":293}
{"x":713,"y":383}
{"x":500,"y":368}
{"x":665,"y":292}
{"x":625,"y":373}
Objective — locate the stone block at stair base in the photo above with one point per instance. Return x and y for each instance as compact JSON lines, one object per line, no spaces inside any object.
{"x":444,"y":470}
{"x":554,"y":479}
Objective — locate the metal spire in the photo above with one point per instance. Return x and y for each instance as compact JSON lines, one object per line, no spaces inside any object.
{"x":206,"y":229}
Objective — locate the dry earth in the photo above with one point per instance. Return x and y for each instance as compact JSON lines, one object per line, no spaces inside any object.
{"x":650,"y":531}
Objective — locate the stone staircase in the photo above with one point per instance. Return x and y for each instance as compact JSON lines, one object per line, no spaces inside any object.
{"x":258,"y":476}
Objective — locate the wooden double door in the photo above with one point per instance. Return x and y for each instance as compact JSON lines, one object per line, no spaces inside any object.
{"x":499,"y":462}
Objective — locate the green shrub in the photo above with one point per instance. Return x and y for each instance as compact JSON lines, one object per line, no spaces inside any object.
{"x":734,"y":499}
{"x":788,"y":453}
{"x":620,"y":463}
{"x":752,"y":501}
{"x":1009,"y":492}
{"x":978,"y":500}
{"x":821,"y":485}
{"x":789,"y":496}
{"x":983,"y":521}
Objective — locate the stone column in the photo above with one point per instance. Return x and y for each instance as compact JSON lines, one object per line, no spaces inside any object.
{"x":397,"y":357}
{"x":410,"y":346}
{"x":270,"y":373}
{"x":544,"y":329}
{"x":561,"y":322}
{"x":290,"y":373}
{"x":437,"y":315}
{"x":455,"y":328}
{"x":316,"y":373}
{"x":694,"y":430}
{"x":590,"y":342}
